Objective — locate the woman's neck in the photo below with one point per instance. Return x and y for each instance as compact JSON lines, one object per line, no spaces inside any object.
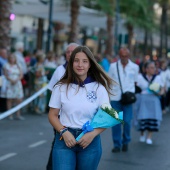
{"x":82,"y":78}
{"x":149,"y":75}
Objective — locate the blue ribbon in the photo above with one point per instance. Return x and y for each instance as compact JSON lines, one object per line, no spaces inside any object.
{"x":87,"y":127}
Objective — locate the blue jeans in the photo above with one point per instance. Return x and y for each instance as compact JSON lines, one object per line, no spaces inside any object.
{"x":118,"y":137}
{"x":76,"y":158}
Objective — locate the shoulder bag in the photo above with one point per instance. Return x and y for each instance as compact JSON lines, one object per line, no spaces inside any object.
{"x":127,"y":97}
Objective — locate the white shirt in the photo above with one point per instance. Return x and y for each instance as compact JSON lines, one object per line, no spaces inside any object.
{"x":21,"y":62}
{"x":144,"y":84}
{"x":78,"y":107}
{"x":57,"y":75}
{"x":167,"y":79}
{"x":128,"y":77}
{"x":163,"y":76}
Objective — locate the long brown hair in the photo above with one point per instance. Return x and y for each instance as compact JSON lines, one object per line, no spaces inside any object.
{"x":95,"y":70}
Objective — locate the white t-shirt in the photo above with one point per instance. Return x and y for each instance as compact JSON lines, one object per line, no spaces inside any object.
{"x":21,"y":62}
{"x":78,"y":107}
{"x":163,"y":76}
{"x":57,"y":75}
{"x":128,"y":77}
{"x":167,"y":79}
{"x":144,"y":84}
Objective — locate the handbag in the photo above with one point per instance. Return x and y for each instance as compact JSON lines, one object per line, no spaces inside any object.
{"x":127,"y":97}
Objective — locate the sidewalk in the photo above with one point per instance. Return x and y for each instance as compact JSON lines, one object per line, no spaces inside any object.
{"x":140,"y":155}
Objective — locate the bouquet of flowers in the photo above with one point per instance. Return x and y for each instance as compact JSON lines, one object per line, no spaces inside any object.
{"x":154,"y":88}
{"x":105,"y":117}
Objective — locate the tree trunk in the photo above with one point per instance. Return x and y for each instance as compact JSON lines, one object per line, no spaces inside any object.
{"x":151,"y":42}
{"x":130,"y":36}
{"x":146,"y":42}
{"x":163,"y":30}
{"x":5,"y":25}
{"x":74,"y":10}
{"x":40,"y":32}
{"x":109,"y":42}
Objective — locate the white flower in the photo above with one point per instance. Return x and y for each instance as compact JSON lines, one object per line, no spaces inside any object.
{"x":103,"y":106}
{"x":154,"y":87}
{"x":112,"y":111}
{"x":116,"y":115}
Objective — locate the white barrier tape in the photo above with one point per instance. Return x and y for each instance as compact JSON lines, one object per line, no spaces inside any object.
{"x":24,"y":103}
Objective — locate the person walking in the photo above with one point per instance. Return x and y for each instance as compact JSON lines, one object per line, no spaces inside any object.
{"x":77,"y":96}
{"x":128,"y":72}
{"x":59,"y":72}
{"x":148,"y":106}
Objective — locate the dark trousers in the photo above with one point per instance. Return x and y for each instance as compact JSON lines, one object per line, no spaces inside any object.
{"x":168,"y":98}
{"x":49,"y":163}
{"x":163,"y":102}
{"x":3,"y":105}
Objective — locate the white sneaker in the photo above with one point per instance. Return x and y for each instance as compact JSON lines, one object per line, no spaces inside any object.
{"x":10,"y":118}
{"x":149,"y":141}
{"x":142,"y":138}
{"x":20,"y":118}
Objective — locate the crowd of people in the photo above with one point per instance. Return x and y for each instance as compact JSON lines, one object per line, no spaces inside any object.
{"x":78,"y":86}
{"x":22,"y":74}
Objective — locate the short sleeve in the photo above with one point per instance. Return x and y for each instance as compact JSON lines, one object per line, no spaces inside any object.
{"x":136,"y":73}
{"x":53,"y":80}
{"x":159,"y":81}
{"x":103,"y":95}
{"x":111,"y":71}
{"x":55,"y":100}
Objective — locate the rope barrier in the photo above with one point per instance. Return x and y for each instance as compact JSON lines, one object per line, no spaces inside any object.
{"x":24,"y":103}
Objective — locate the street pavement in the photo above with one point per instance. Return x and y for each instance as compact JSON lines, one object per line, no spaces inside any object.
{"x":25,"y":145}
{"x":140,"y":156}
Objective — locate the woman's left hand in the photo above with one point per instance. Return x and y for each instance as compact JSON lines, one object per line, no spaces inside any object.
{"x":86,"y":139}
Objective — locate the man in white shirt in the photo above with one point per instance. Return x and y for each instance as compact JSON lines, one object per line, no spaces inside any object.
{"x":59,"y":72}
{"x":128,"y":72}
{"x":19,"y":47}
{"x":57,"y":75}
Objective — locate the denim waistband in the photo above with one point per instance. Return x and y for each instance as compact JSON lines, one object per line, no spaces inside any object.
{"x":75,"y":129}
{"x":75,"y":132}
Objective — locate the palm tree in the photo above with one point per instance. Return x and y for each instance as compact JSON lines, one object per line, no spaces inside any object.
{"x":5,"y":8}
{"x":74,"y":12}
{"x":140,"y":14}
{"x":107,"y":7}
{"x":165,"y":5}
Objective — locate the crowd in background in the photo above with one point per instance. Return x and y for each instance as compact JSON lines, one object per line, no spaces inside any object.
{"x":23,"y":74}
{"x":29,"y":72}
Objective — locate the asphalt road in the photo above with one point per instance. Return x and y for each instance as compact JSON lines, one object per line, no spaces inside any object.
{"x":25,"y":145}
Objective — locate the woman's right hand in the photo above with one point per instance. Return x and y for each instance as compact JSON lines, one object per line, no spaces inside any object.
{"x":69,"y":139}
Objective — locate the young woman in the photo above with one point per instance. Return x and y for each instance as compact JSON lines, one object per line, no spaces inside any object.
{"x":14,"y":92}
{"x":77,"y":96}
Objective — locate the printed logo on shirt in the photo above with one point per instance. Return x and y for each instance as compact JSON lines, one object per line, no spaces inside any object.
{"x":91,"y":96}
